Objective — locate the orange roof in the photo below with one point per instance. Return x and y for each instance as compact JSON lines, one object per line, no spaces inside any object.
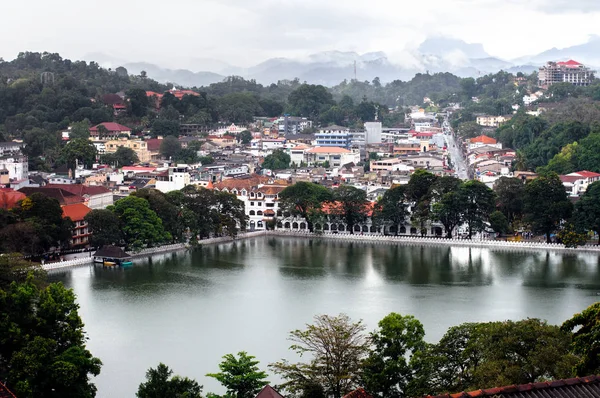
{"x":331,"y":207}
{"x":484,"y":139}
{"x":75,"y":212}
{"x":328,"y":149}
{"x":9,"y":198}
{"x":210,"y":185}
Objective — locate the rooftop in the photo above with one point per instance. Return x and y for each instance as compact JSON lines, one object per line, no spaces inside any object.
{"x":330,"y":149}
{"x":580,"y":387}
{"x":75,"y":212}
{"x":110,"y":126}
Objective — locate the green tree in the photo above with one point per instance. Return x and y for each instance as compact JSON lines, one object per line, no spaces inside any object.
{"x":587,"y":209}
{"x":13,"y":268}
{"x":245,"y":137}
{"x":278,"y":160}
{"x":238,"y":107}
{"x":546,"y":204}
{"x":337,"y":347}
{"x":585,"y":327}
{"x":140,"y":225}
{"x":478,"y":203}
{"x":304,"y":199}
{"x":105,"y":227}
{"x":138,"y":102}
{"x":509,"y":192}
{"x":170,"y":147}
{"x":392,"y":208}
{"x":160,"y":383}
{"x":42,"y":349}
{"x":389,"y":371}
{"x":588,"y":153}
{"x":79,"y":150}
{"x":310,"y":100}
{"x":498,"y":222}
{"x":448,"y":210}
{"x":571,"y":237}
{"x":80,"y":130}
{"x":125,"y":156}
{"x":240,"y":376}
{"x":350,"y":205}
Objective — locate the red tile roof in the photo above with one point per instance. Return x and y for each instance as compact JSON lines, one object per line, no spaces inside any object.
{"x":75,"y":212}
{"x":110,"y":126}
{"x":81,"y":190}
{"x":570,"y":63}
{"x":9,"y":198}
{"x":484,"y":139}
{"x":63,"y":196}
{"x":268,"y":392}
{"x":359,"y":393}
{"x":585,"y":174}
{"x":578,"y":387}
{"x":154,"y":144}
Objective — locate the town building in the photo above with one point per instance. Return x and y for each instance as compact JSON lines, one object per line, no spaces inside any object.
{"x":81,"y":232}
{"x":483,"y":140}
{"x":390,"y":165}
{"x":292,"y":125}
{"x":138,"y":146}
{"x":565,"y":72}
{"x":173,"y":179}
{"x":577,"y":183}
{"x":9,"y":198}
{"x":334,"y":136}
{"x":492,"y":121}
{"x":334,"y":156}
{"x":108,"y":131}
{"x":94,"y":196}
{"x":373,"y":132}
{"x":13,"y":166}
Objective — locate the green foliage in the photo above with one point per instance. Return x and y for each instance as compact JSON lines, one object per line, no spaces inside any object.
{"x":245,"y":137}
{"x":499,"y":222}
{"x":336,"y":346}
{"x":238,"y":107}
{"x":105,"y":226}
{"x":586,"y":339}
{"x":160,"y":384}
{"x":165,"y":127}
{"x":571,"y":237}
{"x":509,"y":193}
{"x":80,"y":130}
{"x":350,"y":205}
{"x":389,"y":369}
{"x":240,"y":376}
{"x":478,"y":201}
{"x":140,"y":225}
{"x":587,"y":209}
{"x":42,"y":343}
{"x":206,"y":160}
{"x":392,"y":208}
{"x":546,"y":204}
{"x":13,"y":268}
{"x":448,"y":210}
{"x":469,"y":129}
{"x":169,"y":147}
{"x":304,"y":199}
{"x":310,"y":100}
{"x":79,"y":150}
{"x":123,"y":156}
{"x":278,"y":160}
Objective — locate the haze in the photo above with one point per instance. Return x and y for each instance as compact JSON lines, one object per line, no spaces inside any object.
{"x":244,"y":33}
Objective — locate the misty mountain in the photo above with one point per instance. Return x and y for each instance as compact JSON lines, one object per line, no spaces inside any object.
{"x":436,"y":54}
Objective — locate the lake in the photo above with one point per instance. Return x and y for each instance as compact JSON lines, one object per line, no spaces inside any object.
{"x":188,"y":309}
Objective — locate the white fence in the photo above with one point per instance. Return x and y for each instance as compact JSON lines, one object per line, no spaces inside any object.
{"x":68,"y":263}
{"x":417,"y":240}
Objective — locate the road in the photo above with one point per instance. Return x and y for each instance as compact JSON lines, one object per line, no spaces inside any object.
{"x":458,"y":161}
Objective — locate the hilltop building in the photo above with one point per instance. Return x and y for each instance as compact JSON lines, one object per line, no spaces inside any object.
{"x":565,"y":72}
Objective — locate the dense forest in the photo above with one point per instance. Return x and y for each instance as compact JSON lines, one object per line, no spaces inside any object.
{"x":41,"y":94}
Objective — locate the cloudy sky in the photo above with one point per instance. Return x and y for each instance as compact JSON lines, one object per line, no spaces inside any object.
{"x":245,"y":32}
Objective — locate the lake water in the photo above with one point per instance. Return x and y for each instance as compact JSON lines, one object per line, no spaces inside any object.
{"x":187,"y":310}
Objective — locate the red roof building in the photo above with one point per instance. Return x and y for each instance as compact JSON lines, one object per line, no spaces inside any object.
{"x":63,"y":196}
{"x":113,"y":130}
{"x":483,"y":139}
{"x":81,"y":232}
{"x":9,"y":198}
{"x":268,"y":392}
{"x":579,"y":387}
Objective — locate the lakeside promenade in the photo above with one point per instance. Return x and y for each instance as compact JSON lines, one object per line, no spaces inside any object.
{"x":347,"y":237}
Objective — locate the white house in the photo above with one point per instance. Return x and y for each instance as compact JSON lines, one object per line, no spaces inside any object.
{"x":173,"y":179}
{"x":335,"y":156}
{"x":16,"y":165}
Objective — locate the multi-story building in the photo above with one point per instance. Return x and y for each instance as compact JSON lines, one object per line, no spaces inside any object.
{"x":334,"y":136}
{"x":173,"y":179}
{"x":108,"y":131}
{"x":81,"y":232}
{"x":565,"y":72}
{"x":334,"y":156}
{"x":291,"y":125}
{"x":138,"y":146}
{"x":492,"y":121}
{"x":14,"y":165}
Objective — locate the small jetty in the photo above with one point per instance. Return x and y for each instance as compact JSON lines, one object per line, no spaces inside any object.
{"x":112,"y":256}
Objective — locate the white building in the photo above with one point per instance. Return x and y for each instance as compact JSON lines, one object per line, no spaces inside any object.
{"x":16,"y":165}
{"x":173,"y":179}
{"x":335,"y":156}
{"x":373,"y":132}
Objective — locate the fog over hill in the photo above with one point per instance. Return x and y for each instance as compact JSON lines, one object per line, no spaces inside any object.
{"x":435,"y":54}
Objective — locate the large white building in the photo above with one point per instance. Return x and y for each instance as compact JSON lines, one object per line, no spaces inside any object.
{"x":173,"y":179}
{"x":334,"y":156}
{"x":565,"y":72}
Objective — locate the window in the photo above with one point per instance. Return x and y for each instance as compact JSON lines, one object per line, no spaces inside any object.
{"x":251,"y":203}
{"x":252,"y":212}
{"x":270,"y":204}
{"x":259,"y":213}
{"x":259,"y":204}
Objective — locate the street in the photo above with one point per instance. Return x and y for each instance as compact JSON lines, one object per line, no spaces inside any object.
{"x":458,"y":161}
